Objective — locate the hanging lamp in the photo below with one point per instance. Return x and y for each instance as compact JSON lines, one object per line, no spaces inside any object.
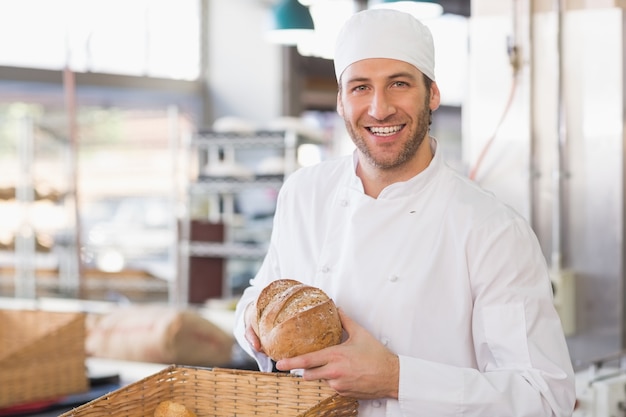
{"x":292,"y":23}
{"x":421,"y":9}
{"x":328,"y":18}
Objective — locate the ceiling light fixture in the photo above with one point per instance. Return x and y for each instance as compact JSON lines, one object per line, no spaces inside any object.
{"x":421,"y":9}
{"x":292,"y":23}
{"x":328,"y":17}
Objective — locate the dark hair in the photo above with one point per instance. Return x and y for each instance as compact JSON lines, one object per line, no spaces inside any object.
{"x":427,"y":82}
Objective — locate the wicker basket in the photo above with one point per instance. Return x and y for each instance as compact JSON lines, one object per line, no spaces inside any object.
{"x":42,"y":356}
{"x":220,"y":393}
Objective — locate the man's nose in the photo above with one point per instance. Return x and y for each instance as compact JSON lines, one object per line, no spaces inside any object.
{"x":381,"y":107}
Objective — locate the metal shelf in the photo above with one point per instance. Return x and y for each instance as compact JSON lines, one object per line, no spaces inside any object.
{"x":231,"y":185}
{"x":226,"y":250}
{"x":265,"y":139}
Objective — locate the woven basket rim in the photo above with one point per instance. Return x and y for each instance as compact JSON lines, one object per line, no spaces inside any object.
{"x":330,"y":404}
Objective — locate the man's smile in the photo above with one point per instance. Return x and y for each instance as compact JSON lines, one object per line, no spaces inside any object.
{"x":385,"y":130}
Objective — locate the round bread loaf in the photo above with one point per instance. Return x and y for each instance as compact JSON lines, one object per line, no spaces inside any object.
{"x":172,"y":409}
{"x":294,"y":319}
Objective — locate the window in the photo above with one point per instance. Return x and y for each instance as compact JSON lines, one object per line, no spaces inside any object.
{"x":156,"y":38}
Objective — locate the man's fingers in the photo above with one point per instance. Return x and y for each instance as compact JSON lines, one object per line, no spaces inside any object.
{"x":253,"y":339}
{"x":297,"y":362}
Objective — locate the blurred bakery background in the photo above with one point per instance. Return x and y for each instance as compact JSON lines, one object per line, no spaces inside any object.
{"x":143,"y":143}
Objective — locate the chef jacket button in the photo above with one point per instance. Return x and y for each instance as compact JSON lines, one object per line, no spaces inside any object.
{"x":377,"y":403}
{"x":343,"y":202}
{"x":393,"y":278}
{"x":326,"y":269}
{"x":384,"y":341}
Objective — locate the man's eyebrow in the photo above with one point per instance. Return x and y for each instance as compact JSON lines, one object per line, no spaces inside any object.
{"x":357,"y":80}
{"x":402,"y":74}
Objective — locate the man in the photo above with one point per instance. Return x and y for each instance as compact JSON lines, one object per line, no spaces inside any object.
{"x":444,"y":293}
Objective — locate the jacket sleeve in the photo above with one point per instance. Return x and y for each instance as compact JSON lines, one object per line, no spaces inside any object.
{"x":267,"y":273}
{"x":523,"y":366}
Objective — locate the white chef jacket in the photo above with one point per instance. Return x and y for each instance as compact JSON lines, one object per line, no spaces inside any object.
{"x":444,"y":275}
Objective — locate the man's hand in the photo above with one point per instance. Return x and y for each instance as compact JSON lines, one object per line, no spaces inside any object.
{"x":252,"y":327}
{"x":361,"y":367}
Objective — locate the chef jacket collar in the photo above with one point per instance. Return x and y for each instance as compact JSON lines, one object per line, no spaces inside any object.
{"x":403,"y":188}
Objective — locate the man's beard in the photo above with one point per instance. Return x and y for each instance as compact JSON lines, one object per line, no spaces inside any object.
{"x":408,"y":151}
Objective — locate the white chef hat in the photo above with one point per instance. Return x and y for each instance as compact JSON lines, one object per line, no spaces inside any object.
{"x":385,"y":33}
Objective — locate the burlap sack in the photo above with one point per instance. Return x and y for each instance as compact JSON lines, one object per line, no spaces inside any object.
{"x":159,"y":334}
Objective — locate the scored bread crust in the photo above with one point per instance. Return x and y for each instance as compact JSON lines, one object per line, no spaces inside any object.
{"x":270,"y":291}
{"x":296,"y":319}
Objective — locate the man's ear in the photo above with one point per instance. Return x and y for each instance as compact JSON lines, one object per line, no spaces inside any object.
{"x":339,"y":104}
{"x":435,"y":97}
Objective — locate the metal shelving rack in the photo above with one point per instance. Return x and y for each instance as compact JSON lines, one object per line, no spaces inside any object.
{"x":220,"y":193}
{"x":35,"y":271}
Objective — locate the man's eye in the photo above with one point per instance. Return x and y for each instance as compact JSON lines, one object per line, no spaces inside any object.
{"x":400,"y":84}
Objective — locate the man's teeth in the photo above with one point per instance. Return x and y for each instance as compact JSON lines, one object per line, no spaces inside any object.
{"x":387,"y":130}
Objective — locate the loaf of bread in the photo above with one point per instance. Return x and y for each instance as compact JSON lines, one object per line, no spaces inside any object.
{"x":172,"y":409}
{"x":294,"y":319}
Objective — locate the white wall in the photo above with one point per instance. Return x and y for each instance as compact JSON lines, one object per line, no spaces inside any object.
{"x":245,"y":71}
{"x":521,"y":164}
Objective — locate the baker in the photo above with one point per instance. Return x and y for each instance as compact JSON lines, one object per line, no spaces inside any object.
{"x":444,"y":293}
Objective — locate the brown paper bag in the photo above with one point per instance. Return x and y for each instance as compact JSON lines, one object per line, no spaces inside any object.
{"x":159,"y":334}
